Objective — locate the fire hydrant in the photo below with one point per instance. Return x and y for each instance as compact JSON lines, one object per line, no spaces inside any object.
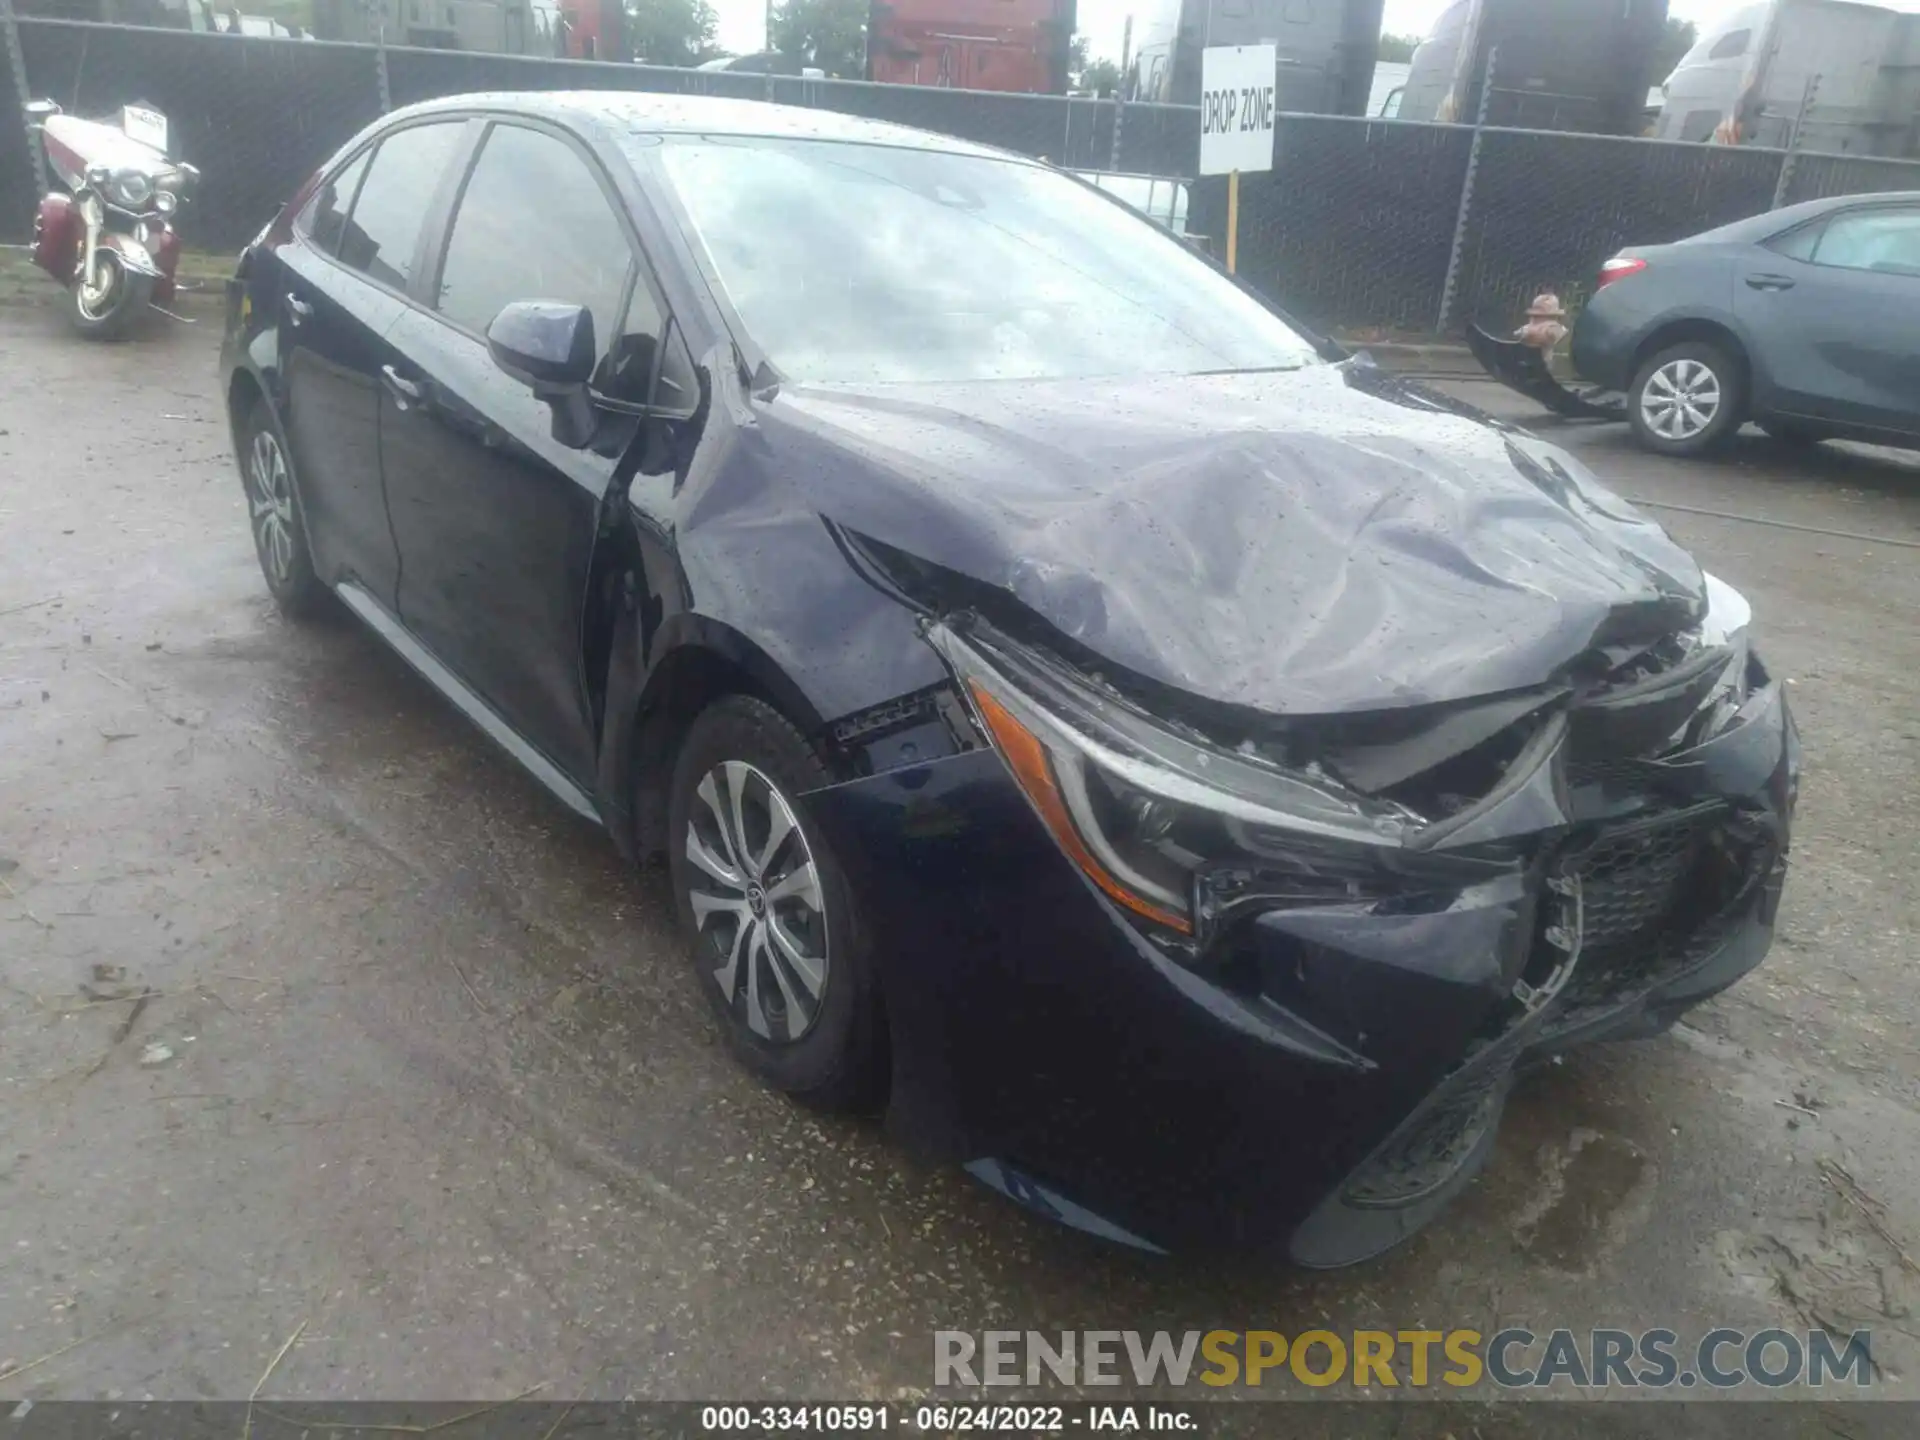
{"x":1544,"y":328}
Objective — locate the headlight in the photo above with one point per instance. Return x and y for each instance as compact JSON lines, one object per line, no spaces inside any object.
{"x":165,"y":201}
{"x":1728,"y":620}
{"x":99,"y":177}
{"x":1728,"y":614}
{"x":1149,"y":813}
{"x":131,"y":188}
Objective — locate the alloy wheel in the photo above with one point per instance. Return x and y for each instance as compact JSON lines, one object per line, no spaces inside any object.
{"x":99,"y":288}
{"x":757,"y":902}
{"x":271,"y":496}
{"x":1680,"y":399}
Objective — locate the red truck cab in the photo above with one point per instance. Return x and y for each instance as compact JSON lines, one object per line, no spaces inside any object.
{"x":1016,"y":45}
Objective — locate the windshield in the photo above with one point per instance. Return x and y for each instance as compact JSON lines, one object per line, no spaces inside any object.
{"x":863,"y":263}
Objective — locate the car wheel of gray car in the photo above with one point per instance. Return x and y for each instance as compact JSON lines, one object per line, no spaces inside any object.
{"x":777,"y":946}
{"x":273,"y":513}
{"x":1687,"y":400}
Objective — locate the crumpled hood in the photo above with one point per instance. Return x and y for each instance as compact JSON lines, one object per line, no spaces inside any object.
{"x":1306,"y":542}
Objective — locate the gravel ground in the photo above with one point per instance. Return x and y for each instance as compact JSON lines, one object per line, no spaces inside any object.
{"x":422,"y":1072}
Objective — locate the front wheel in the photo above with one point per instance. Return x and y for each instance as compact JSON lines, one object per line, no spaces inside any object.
{"x":777,"y":946}
{"x":1687,"y":400}
{"x":103,"y":305}
{"x":273,"y":511}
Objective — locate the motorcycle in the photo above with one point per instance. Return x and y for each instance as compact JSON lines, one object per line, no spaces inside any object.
{"x":108,"y":237}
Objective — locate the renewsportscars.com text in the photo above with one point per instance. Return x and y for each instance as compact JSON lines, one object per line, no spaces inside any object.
{"x":1513,"y":1358}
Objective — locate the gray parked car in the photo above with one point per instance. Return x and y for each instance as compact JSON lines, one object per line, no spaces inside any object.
{"x":1804,"y":320}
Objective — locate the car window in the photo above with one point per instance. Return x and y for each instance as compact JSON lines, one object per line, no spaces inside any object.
{"x":379,"y":240}
{"x":325,"y":220}
{"x":1730,"y":46}
{"x":534,"y":224}
{"x":627,"y":370}
{"x":856,"y":263}
{"x":679,"y":389}
{"x":1799,"y":243}
{"x":1697,"y":126}
{"x":1883,"y":240}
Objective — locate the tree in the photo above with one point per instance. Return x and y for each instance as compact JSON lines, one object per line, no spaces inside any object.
{"x":1102,"y":77}
{"x":831,"y":34}
{"x":672,"y":32}
{"x":1678,"y":39}
{"x":1398,"y":49}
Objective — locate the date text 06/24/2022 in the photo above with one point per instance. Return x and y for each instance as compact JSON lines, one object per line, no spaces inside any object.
{"x":949,"y":1419}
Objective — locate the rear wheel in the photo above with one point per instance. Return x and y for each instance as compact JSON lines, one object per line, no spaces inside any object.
{"x":778,"y":949}
{"x":273,"y":513}
{"x":1687,"y":400}
{"x":102,"y":305}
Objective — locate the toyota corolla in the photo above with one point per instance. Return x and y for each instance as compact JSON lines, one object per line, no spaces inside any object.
{"x":1179,"y":772}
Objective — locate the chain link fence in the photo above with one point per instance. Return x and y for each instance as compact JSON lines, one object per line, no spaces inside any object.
{"x":19,"y":157}
{"x":1357,"y":226}
{"x":1817,"y":177}
{"x":1548,"y":208}
{"x":1353,"y":226}
{"x":256,"y":114}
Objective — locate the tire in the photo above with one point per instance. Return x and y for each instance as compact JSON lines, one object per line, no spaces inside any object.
{"x":110,"y":312}
{"x":274,"y":516}
{"x":1688,"y":399}
{"x":757,"y":954}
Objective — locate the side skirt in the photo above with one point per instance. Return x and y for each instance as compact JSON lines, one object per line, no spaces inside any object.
{"x":468,"y":700}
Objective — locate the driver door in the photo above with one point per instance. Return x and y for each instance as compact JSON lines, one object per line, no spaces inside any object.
{"x":495,"y":520}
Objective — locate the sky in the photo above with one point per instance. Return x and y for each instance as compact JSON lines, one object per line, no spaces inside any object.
{"x":1103,"y":22}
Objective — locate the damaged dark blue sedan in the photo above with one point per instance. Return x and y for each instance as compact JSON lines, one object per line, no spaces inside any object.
{"x":1180,"y":774}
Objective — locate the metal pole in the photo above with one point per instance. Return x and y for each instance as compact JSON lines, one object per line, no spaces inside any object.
{"x":1233,"y":220}
{"x":1120,"y":93}
{"x":17,"y":64}
{"x":1791,"y":160}
{"x":1452,"y":285}
{"x":380,"y":67}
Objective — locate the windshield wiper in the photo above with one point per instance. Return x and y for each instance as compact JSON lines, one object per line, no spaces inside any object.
{"x":1253,"y":369}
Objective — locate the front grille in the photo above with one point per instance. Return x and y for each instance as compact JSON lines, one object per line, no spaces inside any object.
{"x":1631,"y":881}
{"x":1652,"y":903}
{"x":1648,"y":892}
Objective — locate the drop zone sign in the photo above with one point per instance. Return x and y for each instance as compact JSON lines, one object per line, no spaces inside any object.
{"x":1237,"y":104}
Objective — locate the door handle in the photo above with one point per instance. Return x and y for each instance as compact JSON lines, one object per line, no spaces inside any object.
{"x":1769,"y":282}
{"x":406,"y":393}
{"x":297,"y":309}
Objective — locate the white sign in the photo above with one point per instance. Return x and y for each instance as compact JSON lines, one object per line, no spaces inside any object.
{"x":1237,"y":104}
{"x":149,"y":127}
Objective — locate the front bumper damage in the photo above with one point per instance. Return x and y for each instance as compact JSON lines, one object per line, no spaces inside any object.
{"x":1524,"y":368}
{"x":1318,"y":1077}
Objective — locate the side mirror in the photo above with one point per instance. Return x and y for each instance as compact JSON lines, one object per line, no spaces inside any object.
{"x":549,"y":348}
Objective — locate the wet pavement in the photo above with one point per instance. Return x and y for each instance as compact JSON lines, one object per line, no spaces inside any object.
{"x":316,"y":1014}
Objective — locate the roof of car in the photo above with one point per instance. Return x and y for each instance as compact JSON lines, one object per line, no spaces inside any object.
{"x":1772,"y":222}
{"x":648,"y":113}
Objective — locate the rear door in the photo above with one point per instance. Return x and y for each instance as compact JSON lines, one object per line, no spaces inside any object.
{"x":346,"y":270}
{"x":496,"y":520}
{"x":1834,"y":308}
